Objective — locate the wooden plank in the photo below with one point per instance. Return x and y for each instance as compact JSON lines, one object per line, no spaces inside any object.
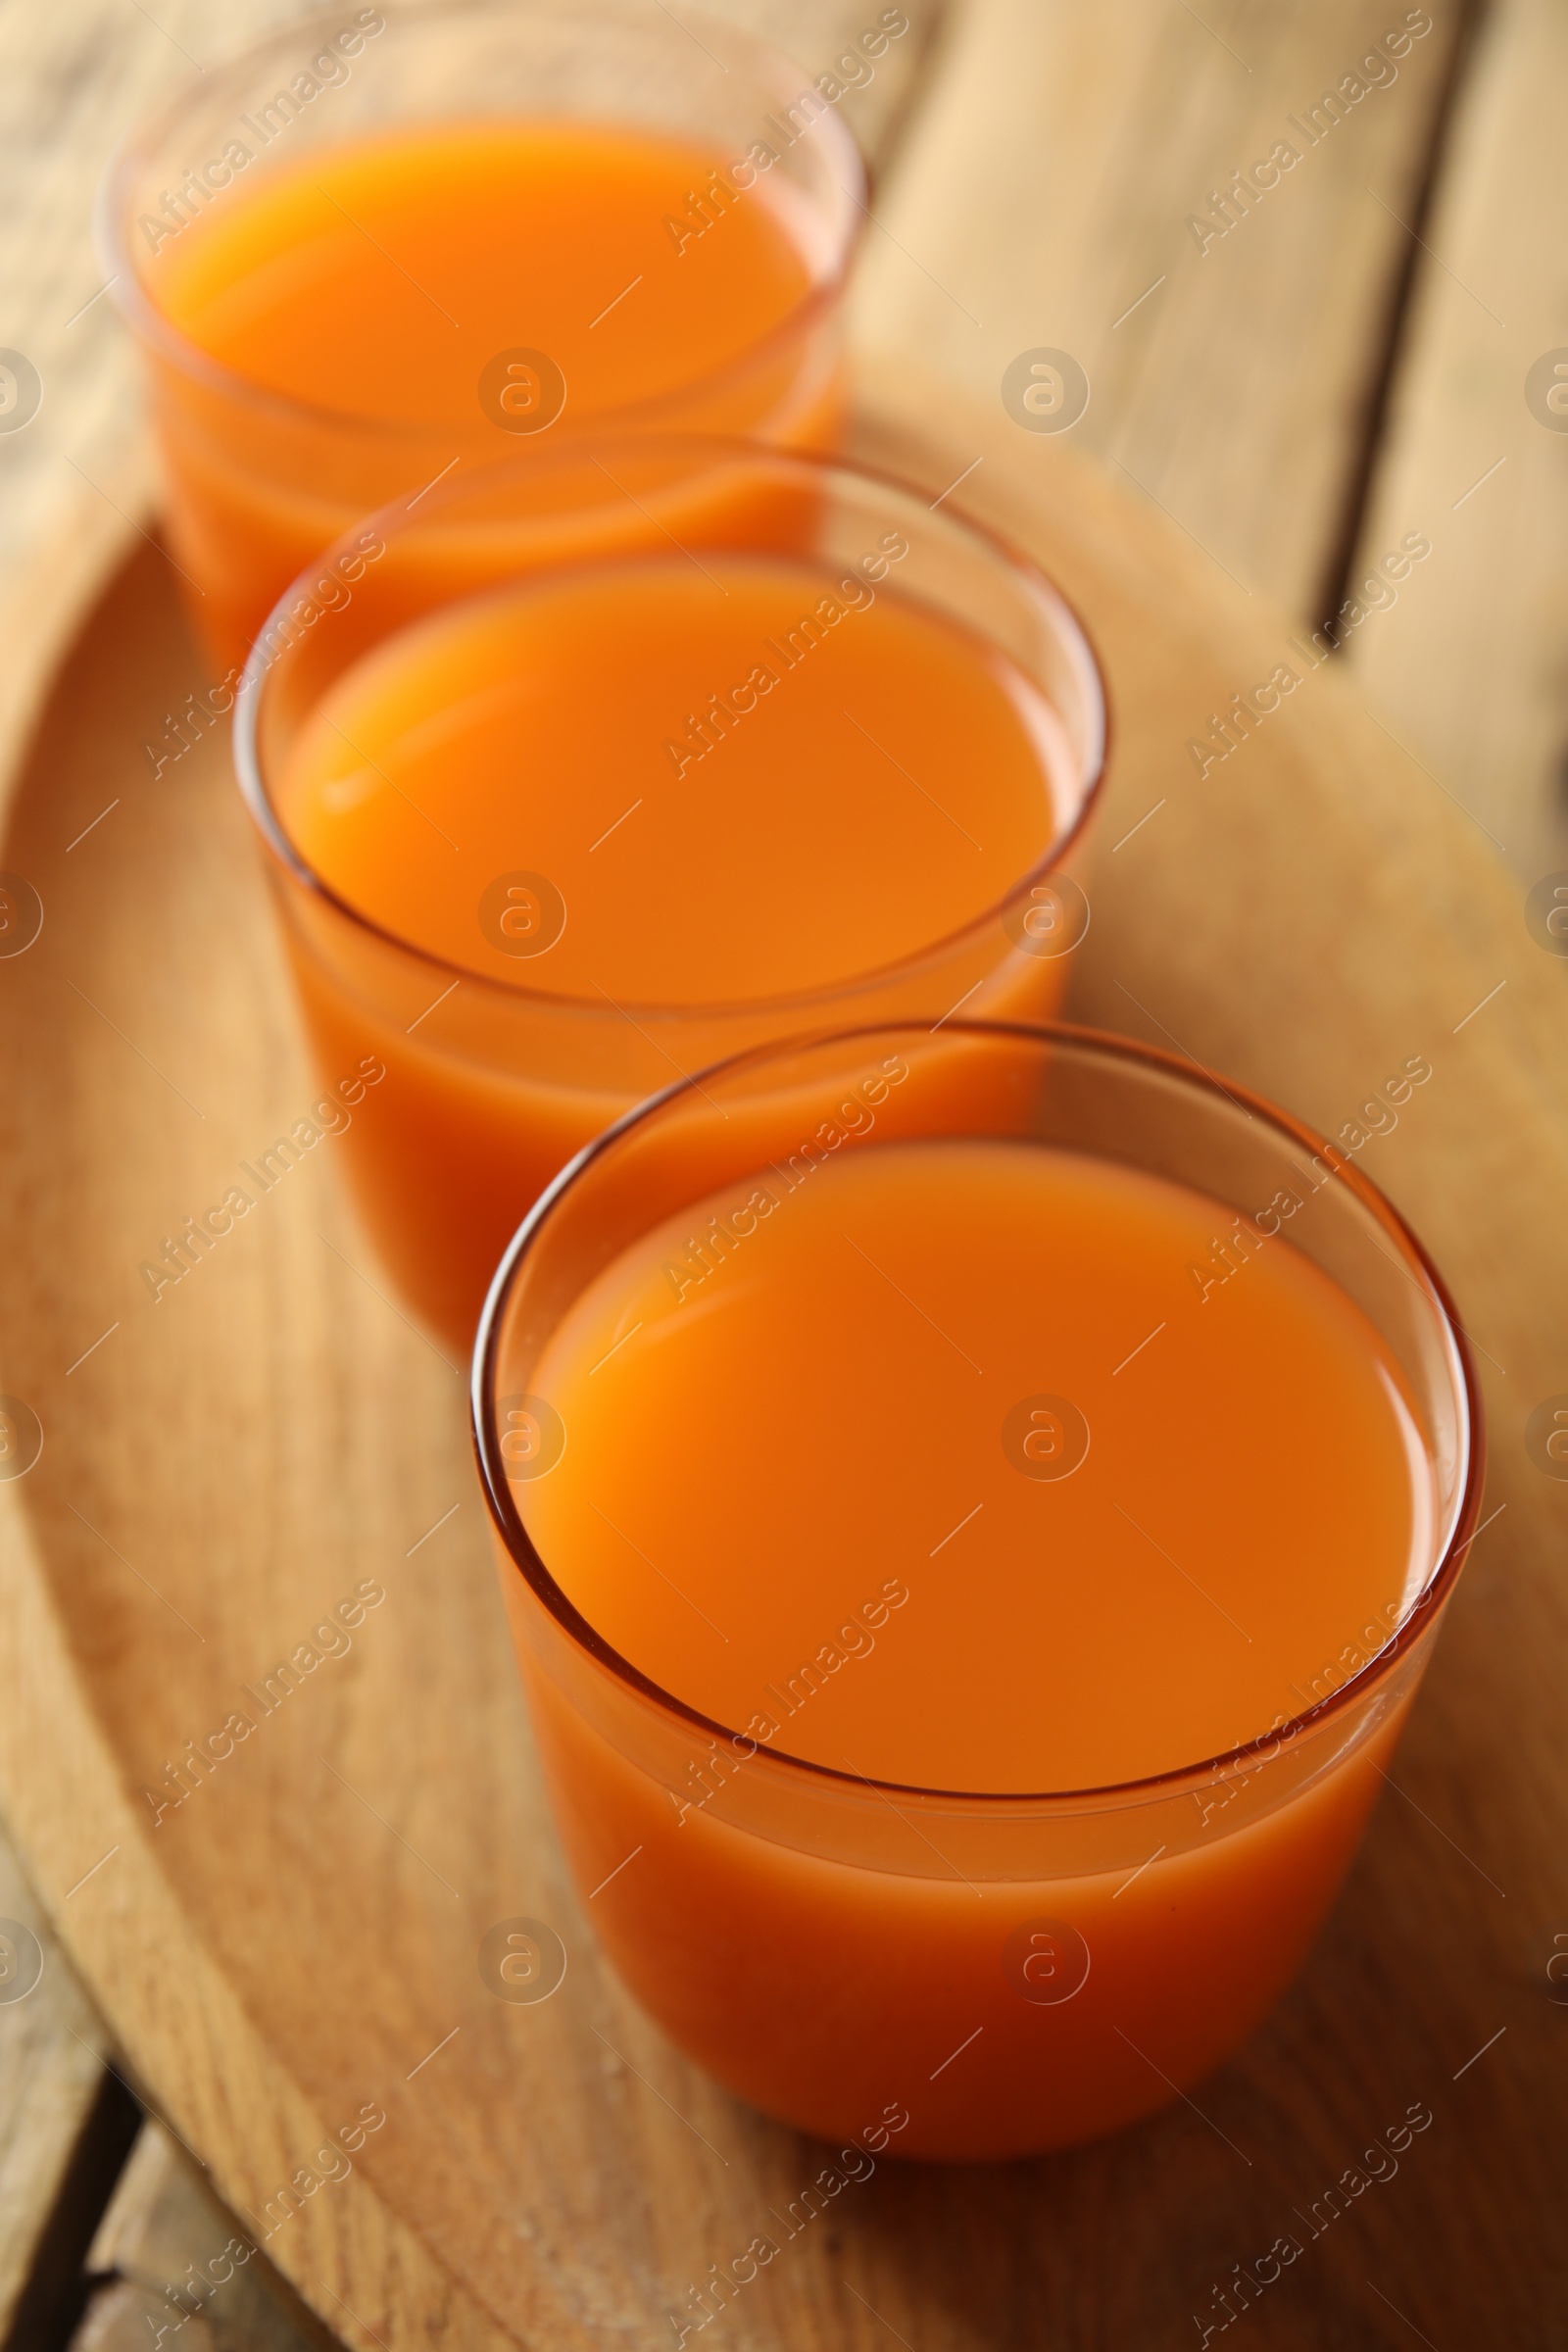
{"x":283,"y":1949}
{"x":824,"y":38}
{"x":52,"y":2053}
{"x":1469,"y":666}
{"x":77,"y":479}
{"x":172,"y":2257}
{"x":124,"y":2318}
{"x":1045,"y":200}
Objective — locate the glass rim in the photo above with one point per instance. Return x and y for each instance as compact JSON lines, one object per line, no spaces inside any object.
{"x":1064,"y":618}
{"x":145,"y":315}
{"x":525,"y":1559}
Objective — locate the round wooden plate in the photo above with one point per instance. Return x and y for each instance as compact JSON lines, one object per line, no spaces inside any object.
{"x":290,"y":1955}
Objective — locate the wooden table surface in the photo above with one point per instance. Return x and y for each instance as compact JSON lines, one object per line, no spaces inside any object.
{"x":1297,"y":388}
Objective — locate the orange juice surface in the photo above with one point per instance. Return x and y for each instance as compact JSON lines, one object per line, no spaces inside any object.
{"x":670,"y":783}
{"x":936,"y":1464}
{"x":381,"y":279}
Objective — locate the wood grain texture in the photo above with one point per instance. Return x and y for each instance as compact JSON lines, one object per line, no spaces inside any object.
{"x":1048,"y":187}
{"x":298,"y":1938}
{"x":1470,"y":462}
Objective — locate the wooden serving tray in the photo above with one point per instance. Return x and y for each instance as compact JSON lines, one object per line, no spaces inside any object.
{"x":291,"y":1954}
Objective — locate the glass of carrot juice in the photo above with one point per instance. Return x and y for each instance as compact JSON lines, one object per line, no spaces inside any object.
{"x":398,"y":241}
{"x":974,"y":1509}
{"x":777,"y":746}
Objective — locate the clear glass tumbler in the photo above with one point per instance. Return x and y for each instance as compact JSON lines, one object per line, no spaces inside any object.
{"x":257,"y":482}
{"x":818,"y":1941}
{"x":493,"y":1082}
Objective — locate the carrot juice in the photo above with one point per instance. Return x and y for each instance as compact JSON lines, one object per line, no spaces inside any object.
{"x":633,"y":794}
{"x":932,"y":1472}
{"x":1145,"y":1625}
{"x":515,"y":241}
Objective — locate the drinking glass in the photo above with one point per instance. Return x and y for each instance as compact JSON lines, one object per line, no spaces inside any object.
{"x":257,"y":482}
{"x":492,"y":1083}
{"x":818,"y":1941}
